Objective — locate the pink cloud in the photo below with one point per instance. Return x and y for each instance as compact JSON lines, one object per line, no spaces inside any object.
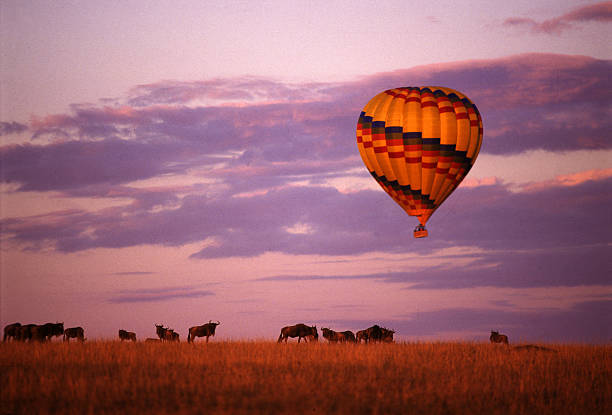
{"x":600,"y":12}
{"x":485,"y":181}
{"x":569,"y":180}
{"x":249,"y":90}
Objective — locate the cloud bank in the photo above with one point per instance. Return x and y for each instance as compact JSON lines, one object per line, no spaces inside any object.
{"x":243,"y":166}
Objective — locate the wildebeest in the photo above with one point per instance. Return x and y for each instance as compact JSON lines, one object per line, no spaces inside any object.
{"x":335,"y":336}
{"x":301,"y":331}
{"x":205,"y":330}
{"x":25,"y":332}
{"x":46,"y":331}
{"x":11,"y":331}
{"x":350,"y":336}
{"x":172,"y":336}
{"x":371,"y":334}
{"x":166,"y":334}
{"x":534,"y":347}
{"x":74,"y":332}
{"x":386,"y":335}
{"x":127,"y":335}
{"x":498,"y":338}
{"x":161,"y":331}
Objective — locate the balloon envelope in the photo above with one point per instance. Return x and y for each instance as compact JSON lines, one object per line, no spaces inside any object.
{"x":419,"y":143}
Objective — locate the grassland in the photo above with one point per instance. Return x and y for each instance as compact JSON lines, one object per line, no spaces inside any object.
{"x":265,"y":377}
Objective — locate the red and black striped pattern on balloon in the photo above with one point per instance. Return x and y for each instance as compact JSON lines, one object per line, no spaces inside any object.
{"x":419,"y":143}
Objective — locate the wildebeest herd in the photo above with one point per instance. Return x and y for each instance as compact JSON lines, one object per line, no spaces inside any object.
{"x":309,"y":333}
{"x":374,"y":334}
{"x":42,"y":332}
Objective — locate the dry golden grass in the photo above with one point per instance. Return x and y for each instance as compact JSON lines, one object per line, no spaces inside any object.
{"x":265,"y":377}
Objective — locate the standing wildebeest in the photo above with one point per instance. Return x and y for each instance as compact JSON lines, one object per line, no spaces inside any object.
{"x":25,"y":332}
{"x":335,"y":336}
{"x":46,"y":331}
{"x":11,"y":330}
{"x":161,"y":331}
{"x":127,"y":335}
{"x":74,"y":332}
{"x":300,"y":331}
{"x":166,"y":334}
{"x":498,"y":338}
{"x":205,"y":330}
{"x":371,"y":334}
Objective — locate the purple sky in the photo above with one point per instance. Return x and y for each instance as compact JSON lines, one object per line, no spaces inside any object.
{"x":188,"y":170}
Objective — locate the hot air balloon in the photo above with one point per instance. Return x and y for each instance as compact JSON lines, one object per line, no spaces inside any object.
{"x":419,"y":143}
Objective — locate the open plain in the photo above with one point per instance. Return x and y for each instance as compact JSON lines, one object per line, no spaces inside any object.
{"x":100,"y":377}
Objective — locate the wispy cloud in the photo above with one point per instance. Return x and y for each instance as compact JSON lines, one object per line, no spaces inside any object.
{"x":134,"y":273}
{"x":252,"y":90}
{"x":600,"y":12}
{"x":157,"y":294}
{"x":12,"y":127}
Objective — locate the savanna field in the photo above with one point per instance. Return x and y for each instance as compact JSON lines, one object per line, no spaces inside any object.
{"x":264,"y":377}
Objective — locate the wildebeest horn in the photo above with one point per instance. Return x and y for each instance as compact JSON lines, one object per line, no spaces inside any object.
{"x":218,"y":322}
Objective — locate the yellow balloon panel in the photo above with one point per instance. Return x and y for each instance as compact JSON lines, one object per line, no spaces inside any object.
{"x":419,"y":143}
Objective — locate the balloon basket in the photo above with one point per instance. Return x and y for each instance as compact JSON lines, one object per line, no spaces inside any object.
{"x":420,"y":232}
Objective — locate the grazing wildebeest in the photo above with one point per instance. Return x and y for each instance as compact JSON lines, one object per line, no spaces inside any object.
{"x":46,"y":331}
{"x":335,"y":336}
{"x":386,"y":335}
{"x":74,"y":333}
{"x":301,"y":331}
{"x":127,"y":335}
{"x":533,"y":347}
{"x":205,"y":330}
{"x":498,"y":338}
{"x":361,"y":335}
{"x":350,"y":337}
{"x":171,"y":336}
{"x":11,"y":331}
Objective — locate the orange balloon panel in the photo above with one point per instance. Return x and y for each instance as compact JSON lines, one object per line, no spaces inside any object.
{"x":419,"y":143}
